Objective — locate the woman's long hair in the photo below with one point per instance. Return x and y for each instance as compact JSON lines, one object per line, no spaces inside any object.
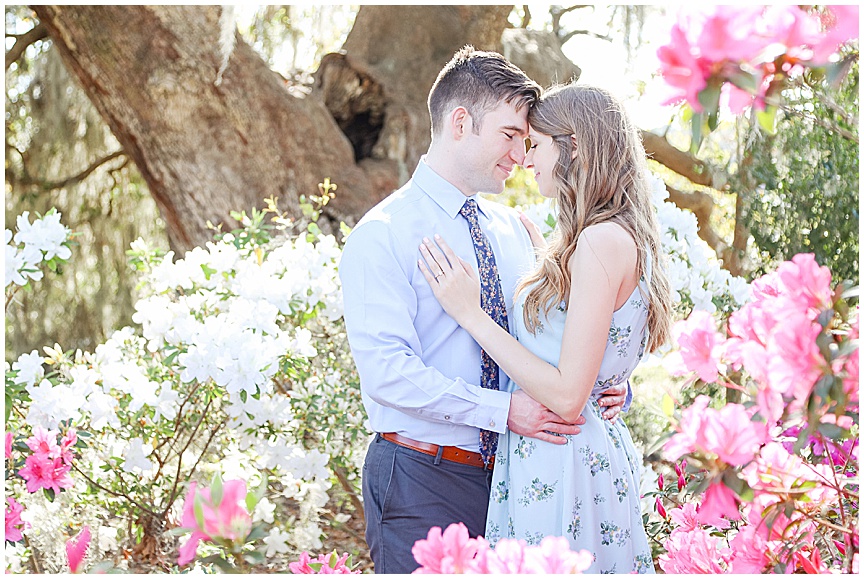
{"x":605,"y":182}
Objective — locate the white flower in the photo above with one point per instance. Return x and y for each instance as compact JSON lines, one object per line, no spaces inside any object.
{"x":101,"y":408}
{"x":43,"y":235}
{"x":51,"y":405}
{"x":14,"y":263}
{"x":29,"y":368}
{"x":136,"y":455}
{"x":302,"y":345}
{"x":83,"y":379}
{"x":276,"y":541}
{"x":264,"y":511}
{"x":166,"y":405}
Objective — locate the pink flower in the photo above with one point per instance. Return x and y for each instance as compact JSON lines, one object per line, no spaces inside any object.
{"x":685,"y":517}
{"x":749,"y":551}
{"x":43,"y":443}
{"x":76,"y":549}
{"x":720,"y":501}
{"x":699,"y":341}
{"x":850,"y":379}
{"x":726,"y":33}
{"x":694,"y":551}
{"x":9,"y":438}
{"x":842,"y":26}
{"x":795,"y":362}
{"x":731,"y":435}
{"x":681,"y":69}
{"x":67,"y":443}
{"x":14,"y":524}
{"x":227,"y":520}
{"x":689,"y":429}
{"x":553,"y":556}
{"x":507,"y":558}
{"x":805,"y":281}
{"x":42,"y":472}
{"x":449,"y":552}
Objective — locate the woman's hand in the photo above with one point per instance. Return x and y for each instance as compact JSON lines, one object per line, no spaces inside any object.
{"x":453,"y":280}
{"x":537,"y":239}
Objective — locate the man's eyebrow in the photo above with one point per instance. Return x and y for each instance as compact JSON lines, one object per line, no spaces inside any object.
{"x":514,"y":128}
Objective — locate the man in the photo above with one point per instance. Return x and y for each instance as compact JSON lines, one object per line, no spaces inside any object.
{"x":420,"y":373}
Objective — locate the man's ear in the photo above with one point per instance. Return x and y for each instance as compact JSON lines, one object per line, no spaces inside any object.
{"x":461,"y":122}
{"x":573,"y":145}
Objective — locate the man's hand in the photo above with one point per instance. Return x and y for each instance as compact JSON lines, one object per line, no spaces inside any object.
{"x":613,"y":399}
{"x":530,"y":418}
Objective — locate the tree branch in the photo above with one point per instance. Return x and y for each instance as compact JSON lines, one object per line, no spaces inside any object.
{"x":526,"y":16}
{"x":572,"y":33}
{"x":702,"y":205}
{"x":69,"y":181}
{"x":685,"y":164}
{"x":36,"y":33}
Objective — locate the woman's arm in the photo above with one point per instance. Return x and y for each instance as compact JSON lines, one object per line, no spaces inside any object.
{"x":603,"y":261}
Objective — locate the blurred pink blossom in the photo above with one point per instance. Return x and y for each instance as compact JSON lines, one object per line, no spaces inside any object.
{"x":227,"y":520}
{"x":14,"y":524}
{"x":76,"y":549}
{"x":731,"y":434}
{"x":841,"y":23}
{"x":507,"y":558}
{"x":9,"y":438}
{"x":449,"y":552}
{"x":720,"y":502}
{"x":553,"y":556}
{"x":694,"y":551}
{"x":749,"y":551}
{"x":806,"y":282}
{"x":685,"y":440}
{"x":699,"y":343}
{"x":685,"y":517}
{"x":681,"y":69}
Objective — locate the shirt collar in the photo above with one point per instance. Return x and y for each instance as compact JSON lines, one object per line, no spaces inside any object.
{"x":444,"y":193}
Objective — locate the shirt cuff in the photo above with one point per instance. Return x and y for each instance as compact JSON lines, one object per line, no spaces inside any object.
{"x":493,"y":410}
{"x":628,"y":399}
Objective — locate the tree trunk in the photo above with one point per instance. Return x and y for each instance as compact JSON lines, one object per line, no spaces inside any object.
{"x":206,"y":148}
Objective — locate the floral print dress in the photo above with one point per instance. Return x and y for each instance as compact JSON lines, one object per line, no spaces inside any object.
{"x":588,"y":489}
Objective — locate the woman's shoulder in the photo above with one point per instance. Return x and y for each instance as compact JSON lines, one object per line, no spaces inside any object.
{"x":607,"y":237}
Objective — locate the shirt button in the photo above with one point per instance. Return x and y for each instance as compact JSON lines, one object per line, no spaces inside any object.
{"x":446,"y":417}
{"x":492,"y":423}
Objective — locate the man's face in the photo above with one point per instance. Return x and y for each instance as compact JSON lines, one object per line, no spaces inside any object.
{"x":486,"y":159}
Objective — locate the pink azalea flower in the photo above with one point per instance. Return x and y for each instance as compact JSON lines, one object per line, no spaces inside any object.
{"x":553,"y":556}
{"x":9,"y":438}
{"x":42,"y":472}
{"x":681,"y":69}
{"x":699,"y":341}
{"x":689,"y":428}
{"x":508,"y":558}
{"x":229,"y":520}
{"x":805,"y":281}
{"x":694,"y":551}
{"x":14,"y":524}
{"x":727,"y":34}
{"x":43,"y":443}
{"x":850,"y":379}
{"x":749,"y":551}
{"x":76,"y":549}
{"x":795,"y":362}
{"x":449,"y":552}
{"x":731,"y":435}
{"x":67,"y":443}
{"x":685,"y":517}
{"x":720,"y":501}
{"x":842,"y":26}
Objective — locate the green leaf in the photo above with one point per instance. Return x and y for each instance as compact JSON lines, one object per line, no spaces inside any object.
{"x":198,"y":509}
{"x":49,"y":493}
{"x":668,"y":405}
{"x":254,"y":557}
{"x":768,"y":119}
{"x":8,"y":407}
{"x":257,"y":532}
{"x":216,"y":490}
{"x":220,"y":562}
{"x":744,"y":80}
{"x":832,"y":431}
{"x":695,"y":132}
{"x":316,"y":566}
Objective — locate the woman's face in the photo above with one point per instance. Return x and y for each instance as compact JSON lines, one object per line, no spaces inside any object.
{"x":542,"y":156}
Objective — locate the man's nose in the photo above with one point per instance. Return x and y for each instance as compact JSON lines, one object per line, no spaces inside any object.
{"x":517,"y":153}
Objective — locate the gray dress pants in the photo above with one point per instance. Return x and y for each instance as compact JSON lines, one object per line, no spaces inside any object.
{"x":406,"y":492}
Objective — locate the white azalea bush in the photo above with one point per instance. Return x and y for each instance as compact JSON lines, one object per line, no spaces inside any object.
{"x":43,"y":243}
{"x":239,"y":366}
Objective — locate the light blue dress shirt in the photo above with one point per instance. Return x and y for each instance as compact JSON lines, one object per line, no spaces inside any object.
{"x":419,"y":370}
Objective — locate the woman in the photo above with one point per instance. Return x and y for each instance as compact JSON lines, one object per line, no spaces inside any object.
{"x":596,"y":301}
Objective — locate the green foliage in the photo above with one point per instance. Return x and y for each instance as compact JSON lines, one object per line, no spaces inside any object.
{"x":806,"y":199}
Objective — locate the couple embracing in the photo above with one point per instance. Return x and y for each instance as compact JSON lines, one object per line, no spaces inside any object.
{"x":492,"y":365}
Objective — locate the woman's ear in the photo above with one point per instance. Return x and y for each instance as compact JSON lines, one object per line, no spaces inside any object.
{"x":573,"y":145}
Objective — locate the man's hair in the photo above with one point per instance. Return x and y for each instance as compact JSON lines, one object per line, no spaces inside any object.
{"x":478,"y":81}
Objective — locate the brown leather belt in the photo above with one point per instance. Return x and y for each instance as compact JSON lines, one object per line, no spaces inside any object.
{"x":451,"y":453}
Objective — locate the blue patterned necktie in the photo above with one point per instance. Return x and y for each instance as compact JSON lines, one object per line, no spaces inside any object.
{"x":492,"y":302}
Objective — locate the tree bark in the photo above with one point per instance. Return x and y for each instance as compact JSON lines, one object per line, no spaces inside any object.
{"x":203,"y":149}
